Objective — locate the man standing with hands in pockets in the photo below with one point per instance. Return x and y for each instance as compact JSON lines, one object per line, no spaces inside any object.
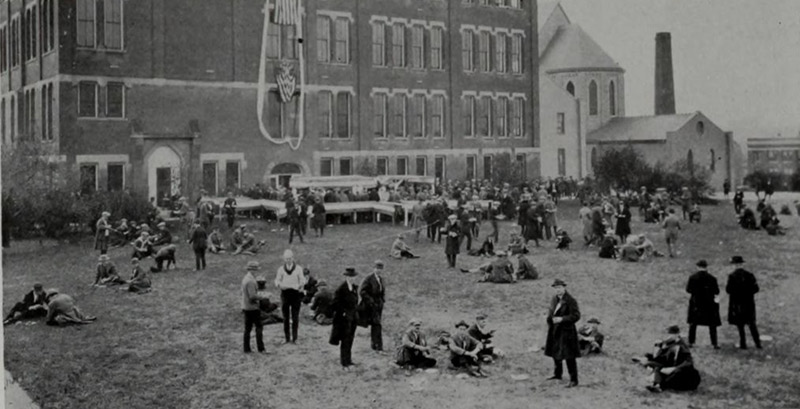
{"x":290,"y":280}
{"x":562,"y":336}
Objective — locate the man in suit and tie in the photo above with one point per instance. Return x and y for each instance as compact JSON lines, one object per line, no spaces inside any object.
{"x":345,"y":317}
{"x":373,"y":295}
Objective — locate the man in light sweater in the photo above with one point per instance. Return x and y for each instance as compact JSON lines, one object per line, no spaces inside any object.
{"x":290,"y":280}
{"x":250,"y":304}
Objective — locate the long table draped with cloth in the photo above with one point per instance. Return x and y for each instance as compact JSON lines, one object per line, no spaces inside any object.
{"x":245,"y":204}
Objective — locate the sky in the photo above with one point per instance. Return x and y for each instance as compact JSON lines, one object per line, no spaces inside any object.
{"x":737,"y":61}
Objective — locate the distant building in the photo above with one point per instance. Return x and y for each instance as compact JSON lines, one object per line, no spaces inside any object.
{"x":777,"y":155}
{"x":162,"y":96}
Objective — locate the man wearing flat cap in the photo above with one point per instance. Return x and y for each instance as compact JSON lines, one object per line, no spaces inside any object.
{"x":562,"y":337}
{"x":590,"y":339}
{"x":742,"y":288}
{"x":163,"y":236}
{"x":106,"y":272}
{"x":373,"y":295}
{"x":414,"y":351}
{"x":250,"y":307}
{"x":345,"y":317}
{"x":703,"y":304}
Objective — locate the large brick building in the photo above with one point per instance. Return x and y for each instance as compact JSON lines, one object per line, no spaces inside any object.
{"x":776,"y":155}
{"x":161,"y":96}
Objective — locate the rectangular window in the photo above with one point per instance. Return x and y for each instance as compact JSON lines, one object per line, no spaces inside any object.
{"x":500,"y":52}
{"x":471,"y":167}
{"x":522,"y":164}
{"x":15,"y":42}
{"x":3,"y":121}
{"x":326,"y":167}
{"x":469,"y":116}
{"x":437,"y":116}
{"x":87,"y":99}
{"x":116,"y":177}
{"x":383,"y":166}
{"x":517,"y":111}
{"x":437,"y":53}
{"x":487,"y":167}
{"x":399,"y":45}
{"x":422,"y":166}
{"x":346,"y":166}
{"x":378,"y":44}
{"x":402,"y":165}
{"x":33,"y":33}
{"x":467,"y":50}
{"x":438,"y":167}
{"x":516,"y":53}
{"x":379,"y":112}
{"x":51,"y":42}
{"x":417,"y":38}
{"x":3,"y":61}
{"x":399,"y":115}
{"x":115,"y":100}
{"x":323,"y":39}
{"x":418,"y":116}
{"x":343,"y":115}
{"x":274,"y":40}
{"x":112,"y":29}
{"x":232,"y":175}
{"x":483,"y":51}
{"x":500,"y":116}
{"x":88,"y":178}
{"x":562,"y":162}
{"x":342,"y":51}
{"x":484,"y":116}
{"x":560,"y":123}
{"x":289,"y":50}
{"x":325,"y":111}
{"x":12,"y":128}
{"x":210,"y":177}
{"x":85,"y":23}
{"x":44,"y":113}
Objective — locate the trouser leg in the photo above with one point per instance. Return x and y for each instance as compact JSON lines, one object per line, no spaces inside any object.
{"x":295,"y":315}
{"x":572,"y":368}
{"x":286,"y":310}
{"x":754,"y":333}
{"x":742,"y":339}
{"x":248,"y":327}
{"x":558,"y":369}
{"x":376,"y":337}
{"x":712,"y":332}
{"x":692,"y":333}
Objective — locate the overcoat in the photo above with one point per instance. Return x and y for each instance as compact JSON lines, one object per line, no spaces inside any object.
{"x":562,"y":338}
{"x":703,"y":310}
{"x":372,"y":299}
{"x":451,"y":244}
{"x":624,"y":222}
{"x":345,"y":314}
{"x":533,"y":231}
{"x":741,"y":288}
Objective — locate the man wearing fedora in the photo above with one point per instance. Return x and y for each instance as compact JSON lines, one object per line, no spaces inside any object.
{"x":373,"y":295}
{"x":250,"y":307}
{"x":672,"y":364}
{"x":562,"y":336}
{"x":703,"y":304}
{"x":452,"y":244}
{"x":741,"y":288}
{"x":345,"y":317}
{"x":464,"y":350}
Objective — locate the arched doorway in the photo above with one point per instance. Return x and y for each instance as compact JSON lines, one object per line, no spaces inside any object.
{"x":163,"y":173}
{"x":281,"y":173}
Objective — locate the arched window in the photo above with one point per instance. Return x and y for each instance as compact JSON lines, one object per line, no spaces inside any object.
{"x":593,"y":98}
{"x":612,"y":98}
{"x":690,"y":162}
{"x":713,"y":161}
{"x":571,"y":88}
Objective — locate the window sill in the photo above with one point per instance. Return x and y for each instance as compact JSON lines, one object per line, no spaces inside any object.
{"x":335,"y":139}
{"x":101,"y":119}
{"x":339,"y":64}
{"x":101,"y":50}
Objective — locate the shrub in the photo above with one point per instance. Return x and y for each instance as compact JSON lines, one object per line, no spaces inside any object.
{"x":785,"y":210}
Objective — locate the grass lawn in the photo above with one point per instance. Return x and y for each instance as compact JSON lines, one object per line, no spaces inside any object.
{"x":180,"y":346}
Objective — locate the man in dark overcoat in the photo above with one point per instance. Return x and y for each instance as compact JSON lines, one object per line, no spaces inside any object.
{"x":345,"y":317}
{"x":741,"y":288}
{"x":672,"y":364}
{"x":372,"y":298}
{"x":703,"y":304}
{"x":533,"y":231}
{"x":32,"y":305}
{"x":522,"y":216}
{"x":562,"y":336}
{"x":451,"y":246}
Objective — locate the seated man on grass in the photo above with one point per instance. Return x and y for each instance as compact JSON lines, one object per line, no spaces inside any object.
{"x":516,"y":245}
{"x":321,"y":304}
{"x":107,"y":273}
{"x":464,"y":350}
{"x":628,"y":251}
{"x":164,"y":254}
{"x":526,"y":269}
{"x":61,"y":310}
{"x":671,"y":365}
{"x":478,"y":330}
{"x":414,"y":351}
{"x":215,"y":244}
{"x":590,"y":339}
{"x":487,"y":248}
{"x":140,"y":281}
{"x":33,"y":305}
{"x":400,"y":249}
{"x":500,"y":271}
{"x":249,"y":245}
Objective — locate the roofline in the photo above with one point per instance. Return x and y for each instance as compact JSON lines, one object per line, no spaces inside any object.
{"x":625,"y":142}
{"x":558,"y":6}
{"x":794,"y":139}
{"x":581,"y":69}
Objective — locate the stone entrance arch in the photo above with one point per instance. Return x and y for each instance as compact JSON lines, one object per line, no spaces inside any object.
{"x":163,"y":172}
{"x":278,"y":174}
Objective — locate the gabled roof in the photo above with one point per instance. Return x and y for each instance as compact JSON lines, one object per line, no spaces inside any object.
{"x":546,"y":9}
{"x":571,"y":49}
{"x":639,"y":128}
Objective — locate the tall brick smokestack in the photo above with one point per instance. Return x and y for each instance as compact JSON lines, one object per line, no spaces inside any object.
{"x":665,"y":86}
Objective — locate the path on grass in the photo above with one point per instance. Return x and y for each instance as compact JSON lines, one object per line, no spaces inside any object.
{"x":16,"y":397}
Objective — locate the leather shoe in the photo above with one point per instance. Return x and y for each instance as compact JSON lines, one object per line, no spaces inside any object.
{"x":554,"y":378}
{"x":572,"y":384}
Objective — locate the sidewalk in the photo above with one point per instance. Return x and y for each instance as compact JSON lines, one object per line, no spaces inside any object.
{"x":16,"y":398}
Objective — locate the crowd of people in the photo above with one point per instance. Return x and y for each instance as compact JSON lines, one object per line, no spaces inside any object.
{"x":606,"y":221}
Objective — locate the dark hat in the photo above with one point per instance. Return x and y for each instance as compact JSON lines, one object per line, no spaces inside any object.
{"x":38,"y":286}
{"x":379,"y":263}
{"x":737,"y":260}
{"x":481,"y":316}
{"x":673,"y":329}
{"x":462,"y":323}
{"x":593,"y":321}
{"x":558,"y":283}
{"x":702,"y":263}
{"x":350,"y":272}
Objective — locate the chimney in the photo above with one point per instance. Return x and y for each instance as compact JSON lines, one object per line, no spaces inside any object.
{"x":665,"y":87}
